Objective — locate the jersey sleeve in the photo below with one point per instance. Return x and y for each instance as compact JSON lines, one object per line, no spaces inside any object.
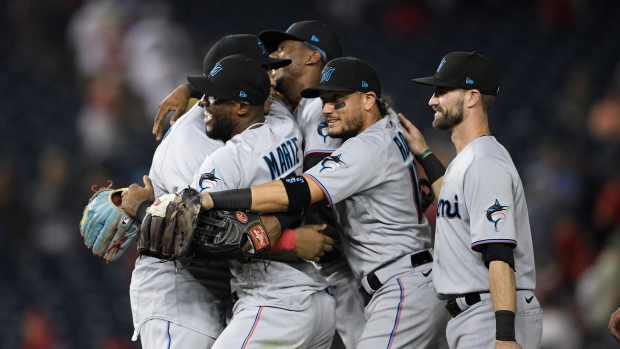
{"x":488,"y":189}
{"x":220,"y":170}
{"x":314,"y":126}
{"x":350,"y":169}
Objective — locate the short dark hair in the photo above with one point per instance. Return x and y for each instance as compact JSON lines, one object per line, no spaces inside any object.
{"x":486,"y":100}
{"x":384,"y":103}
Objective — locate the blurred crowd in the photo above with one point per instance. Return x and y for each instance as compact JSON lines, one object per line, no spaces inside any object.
{"x":81,"y":82}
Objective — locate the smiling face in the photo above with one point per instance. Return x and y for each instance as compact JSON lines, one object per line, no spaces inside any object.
{"x":286,"y":77}
{"x":343,"y":113}
{"x":448,"y":106}
{"x":219,"y":117}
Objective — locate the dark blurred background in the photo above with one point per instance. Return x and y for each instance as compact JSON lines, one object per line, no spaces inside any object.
{"x":81,"y":81}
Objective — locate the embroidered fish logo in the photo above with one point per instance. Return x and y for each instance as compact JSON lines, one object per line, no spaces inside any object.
{"x":332,"y":163}
{"x":209,"y":180}
{"x":322,"y":130}
{"x":495,"y":213}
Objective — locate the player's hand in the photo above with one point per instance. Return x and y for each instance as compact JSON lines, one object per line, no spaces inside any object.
{"x":310,"y":243}
{"x":135,"y":194}
{"x":415,"y":140}
{"x":614,"y":325}
{"x":176,"y":101}
{"x":507,"y":345}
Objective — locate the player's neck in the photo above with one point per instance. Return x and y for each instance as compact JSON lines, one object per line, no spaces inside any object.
{"x":468,"y":130}
{"x":248,"y":124}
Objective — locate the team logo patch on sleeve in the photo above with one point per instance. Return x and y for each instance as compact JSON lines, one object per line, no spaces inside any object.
{"x":208,"y":180}
{"x":496,"y":214}
{"x":332,"y":163}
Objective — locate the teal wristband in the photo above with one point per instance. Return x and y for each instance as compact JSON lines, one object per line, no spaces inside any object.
{"x":424,"y":153}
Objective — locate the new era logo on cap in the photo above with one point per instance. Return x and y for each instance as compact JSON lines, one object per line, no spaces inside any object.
{"x":364,"y":83}
{"x":314,"y":38}
{"x":469,"y":81}
{"x":242,"y":94}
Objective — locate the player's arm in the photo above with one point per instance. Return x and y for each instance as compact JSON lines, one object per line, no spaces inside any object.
{"x":286,"y":194}
{"x":614,"y":325}
{"x":176,"y":101}
{"x":417,"y":144}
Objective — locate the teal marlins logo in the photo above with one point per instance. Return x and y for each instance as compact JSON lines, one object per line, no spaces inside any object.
{"x":323,"y":130}
{"x":495,"y":213}
{"x":332,"y":163}
{"x":208,"y":180}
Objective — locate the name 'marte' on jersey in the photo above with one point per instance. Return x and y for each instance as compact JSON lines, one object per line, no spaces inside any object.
{"x":283,"y":158}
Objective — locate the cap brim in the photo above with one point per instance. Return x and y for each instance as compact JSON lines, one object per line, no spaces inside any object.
{"x":272,"y":38}
{"x":202,"y":84}
{"x":273,"y":63}
{"x":433,"y":81}
{"x":314,"y":92}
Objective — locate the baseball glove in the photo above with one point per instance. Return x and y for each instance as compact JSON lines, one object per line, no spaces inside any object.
{"x":106,"y":229}
{"x":183,"y":229}
{"x":428,"y":195}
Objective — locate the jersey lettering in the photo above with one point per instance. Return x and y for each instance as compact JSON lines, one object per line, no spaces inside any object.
{"x":401,"y":143}
{"x":288,"y":158}
{"x":444,"y":208}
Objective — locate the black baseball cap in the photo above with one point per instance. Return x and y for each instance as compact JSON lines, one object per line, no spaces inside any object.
{"x":235,"y":77}
{"x":466,"y":70}
{"x":243,"y":44}
{"x":346,"y":74}
{"x":313,"y":33}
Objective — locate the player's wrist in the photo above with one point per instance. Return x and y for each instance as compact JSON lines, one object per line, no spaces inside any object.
{"x":505,"y":325}
{"x":141,"y":209}
{"x":424,"y":154}
{"x":286,"y":242}
{"x":433,"y":167}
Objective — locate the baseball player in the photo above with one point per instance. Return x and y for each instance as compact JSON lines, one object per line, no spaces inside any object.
{"x":484,"y":262}
{"x":175,"y":306}
{"x":310,"y":45}
{"x":276,"y":302}
{"x":372,"y":184}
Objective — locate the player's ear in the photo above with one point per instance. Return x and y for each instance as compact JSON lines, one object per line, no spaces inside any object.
{"x":370,"y":98}
{"x":243,"y":108}
{"x":472,"y":97}
{"x":313,"y":57}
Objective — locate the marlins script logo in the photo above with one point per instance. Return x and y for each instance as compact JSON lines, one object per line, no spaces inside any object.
{"x":208,"y":180}
{"x":495,"y":213}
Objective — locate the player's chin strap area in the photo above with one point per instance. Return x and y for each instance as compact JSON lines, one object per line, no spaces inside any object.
{"x":375,"y":280}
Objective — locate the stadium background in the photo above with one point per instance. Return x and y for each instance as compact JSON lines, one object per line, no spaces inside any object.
{"x":80,"y":82}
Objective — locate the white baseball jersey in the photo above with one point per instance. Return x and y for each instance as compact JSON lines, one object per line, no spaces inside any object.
{"x":255,"y":156}
{"x":373,"y":184}
{"x":194,"y":297}
{"x":481,"y":201}
{"x":310,"y":119}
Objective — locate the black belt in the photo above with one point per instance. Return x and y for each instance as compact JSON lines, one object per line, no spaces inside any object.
{"x":417,"y":259}
{"x":455,"y":308}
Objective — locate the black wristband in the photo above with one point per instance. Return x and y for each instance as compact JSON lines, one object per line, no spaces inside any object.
{"x":287,"y":219}
{"x":235,"y":199}
{"x":298,"y":192}
{"x":193,"y":93}
{"x":433,"y":167}
{"x":505,"y":325}
{"x":141,"y":211}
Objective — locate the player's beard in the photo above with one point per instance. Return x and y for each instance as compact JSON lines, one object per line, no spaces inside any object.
{"x":449,"y":118}
{"x":221,"y":127}
{"x":349,"y":127}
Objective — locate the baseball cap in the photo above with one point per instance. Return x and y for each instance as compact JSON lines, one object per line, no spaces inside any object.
{"x":466,"y":70}
{"x":234,"y":77}
{"x":313,"y":33}
{"x":244,"y":44}
{"x":346,"y":74}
